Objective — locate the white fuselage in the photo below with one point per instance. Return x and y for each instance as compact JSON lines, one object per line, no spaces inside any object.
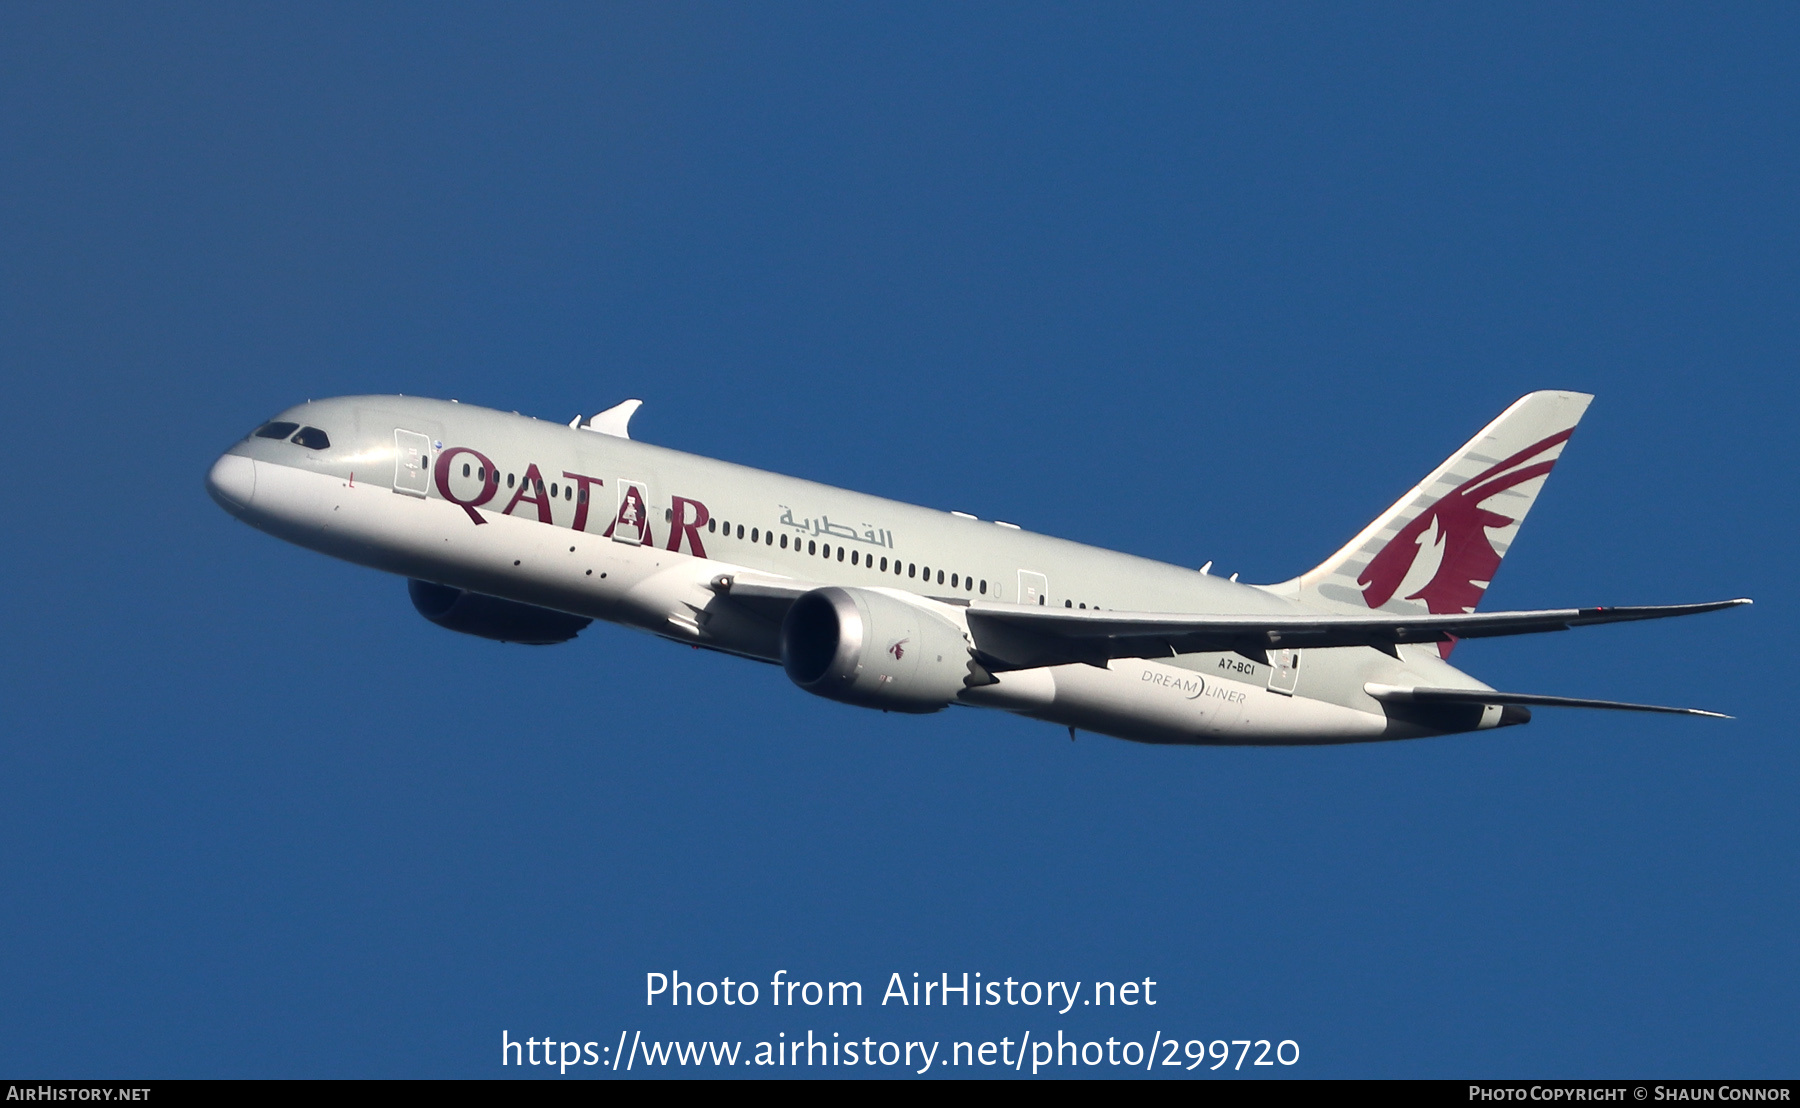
{"x":607,"y":528}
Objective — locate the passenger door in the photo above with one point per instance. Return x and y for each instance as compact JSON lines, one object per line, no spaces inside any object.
{"x":631,"y":523}
{"x":412,"y":463}
{"x":1284,"y":671}
{"x":1034,"y":588}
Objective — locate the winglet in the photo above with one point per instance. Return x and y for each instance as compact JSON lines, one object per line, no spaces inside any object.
{"x":615,"y":420}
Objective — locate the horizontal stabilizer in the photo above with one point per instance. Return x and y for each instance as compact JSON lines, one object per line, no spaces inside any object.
{"x":1392,"y":694}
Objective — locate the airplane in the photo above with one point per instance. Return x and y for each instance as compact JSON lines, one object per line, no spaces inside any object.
{"x":525,"y":531}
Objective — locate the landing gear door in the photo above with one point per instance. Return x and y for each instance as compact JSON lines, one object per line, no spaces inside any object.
{"x":412,"y":463}
{"x":1034,"y":588}
{"x":1284,"y":671}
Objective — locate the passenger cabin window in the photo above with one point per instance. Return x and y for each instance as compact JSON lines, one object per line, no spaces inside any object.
{"x":275,"y":430}
{"x":784,"y":542}
{"x":312,"y":438}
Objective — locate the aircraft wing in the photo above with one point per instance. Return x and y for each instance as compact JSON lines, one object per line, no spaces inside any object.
{"x":1013,"y":636}
{"x":769,"y":599}
{"x":1016,"y":637}
{"x":1393,"y":694}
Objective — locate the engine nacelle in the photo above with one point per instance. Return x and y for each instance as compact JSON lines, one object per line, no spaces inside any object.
{"x":873,"y":650}
{"x":491,"y":617}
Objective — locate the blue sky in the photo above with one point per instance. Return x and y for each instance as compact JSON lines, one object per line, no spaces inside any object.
{"x":1193,"y":282}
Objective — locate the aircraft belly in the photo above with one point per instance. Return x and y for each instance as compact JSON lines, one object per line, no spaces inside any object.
{"x":1148,"y":702}
{"x":1028,"y":691}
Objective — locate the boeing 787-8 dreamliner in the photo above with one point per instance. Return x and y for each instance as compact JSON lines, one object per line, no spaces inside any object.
{"x":525,"y":531}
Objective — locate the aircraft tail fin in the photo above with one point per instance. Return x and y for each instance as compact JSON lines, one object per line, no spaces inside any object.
{"x":1437,"y":548}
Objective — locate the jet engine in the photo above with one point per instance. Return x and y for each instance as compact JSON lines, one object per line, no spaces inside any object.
{"x":873,"y":650}
{"x":491,"y":617}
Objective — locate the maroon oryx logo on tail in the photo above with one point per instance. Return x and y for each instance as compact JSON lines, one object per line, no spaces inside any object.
{"x":1468,"y":558}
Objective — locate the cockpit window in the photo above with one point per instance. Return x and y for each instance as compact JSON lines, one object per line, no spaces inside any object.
{"x":277,"y":430}
{"x":312,"y":438}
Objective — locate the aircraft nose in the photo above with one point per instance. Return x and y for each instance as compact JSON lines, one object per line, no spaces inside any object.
{"x":232,"y":482}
